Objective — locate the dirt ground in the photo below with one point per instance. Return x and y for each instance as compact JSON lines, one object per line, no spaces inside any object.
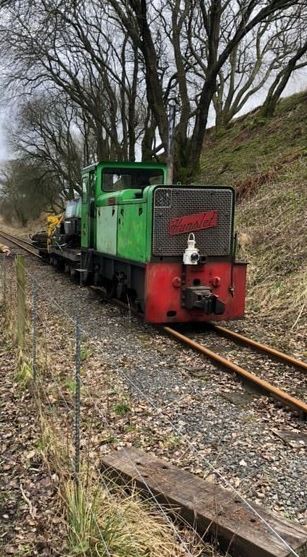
{"x":30,"y":521}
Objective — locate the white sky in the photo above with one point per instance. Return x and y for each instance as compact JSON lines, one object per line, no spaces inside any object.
{"x":3,"y":149}
{"x":297,"y":83}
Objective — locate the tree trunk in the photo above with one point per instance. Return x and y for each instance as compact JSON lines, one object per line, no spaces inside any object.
{"x":195,"y":146}
{"x":148,"y":138}
{"x":280,"y":83}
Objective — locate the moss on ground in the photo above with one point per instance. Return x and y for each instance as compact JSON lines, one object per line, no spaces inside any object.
{"x":266,"y":161}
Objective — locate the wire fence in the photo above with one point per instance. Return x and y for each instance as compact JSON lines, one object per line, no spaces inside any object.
{"x":53,"y":352}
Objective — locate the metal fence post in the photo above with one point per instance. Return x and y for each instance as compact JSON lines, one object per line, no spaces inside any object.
{"x":34,"y":316}
{"x":77,"y":402}
{"x":21,"y":300}
{"x":3,"y":280}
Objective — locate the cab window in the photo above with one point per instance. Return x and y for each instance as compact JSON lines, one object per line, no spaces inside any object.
{"x":115,"y":179}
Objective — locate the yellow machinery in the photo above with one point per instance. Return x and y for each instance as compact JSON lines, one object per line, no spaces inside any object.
{"x":53,"y":221}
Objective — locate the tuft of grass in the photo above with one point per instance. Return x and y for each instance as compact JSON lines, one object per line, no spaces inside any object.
{"x":121,"y":408}
{"x":172,"y":442}
{"x":24,"y":372}
{"x":70,"y":385}
{"x":109,"y":440}
{"x":55,"y":450}
{"x":24,"y":551}
{"x":85,"y":353}
{"x":106,"y":521}
{"x":84,"y":537}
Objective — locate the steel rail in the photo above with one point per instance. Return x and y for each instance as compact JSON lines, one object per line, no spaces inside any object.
{"x":16,"y":238}
{"x":259,"y":346}
{"x":17,"y":241}
{"x":264,"y":385}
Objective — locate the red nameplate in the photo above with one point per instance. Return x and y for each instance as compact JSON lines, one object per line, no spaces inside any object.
{"x":190,"y":223}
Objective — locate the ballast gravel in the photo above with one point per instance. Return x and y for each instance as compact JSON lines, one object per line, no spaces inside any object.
{"x":212,"y":424}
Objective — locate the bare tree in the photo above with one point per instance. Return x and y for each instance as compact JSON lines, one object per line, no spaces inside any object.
{"x":122,"y":64}
{"x":211,"y":16}
{"x":68,"y":46}
{"x":251,"y":65}
{"x":293,"y":62}
{"x":47,"y":133}
{"x":26,"y":190}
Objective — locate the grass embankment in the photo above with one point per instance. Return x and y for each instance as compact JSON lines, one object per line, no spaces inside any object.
{"x":266,"y":160}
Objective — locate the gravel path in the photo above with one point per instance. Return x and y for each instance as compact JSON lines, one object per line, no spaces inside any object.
{"x":259,"y":447}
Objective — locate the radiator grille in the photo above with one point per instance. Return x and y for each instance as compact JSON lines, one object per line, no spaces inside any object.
{"x":170,"y":203}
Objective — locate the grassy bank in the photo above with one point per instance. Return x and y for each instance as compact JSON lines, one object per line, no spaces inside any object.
{"x":266,"y":161}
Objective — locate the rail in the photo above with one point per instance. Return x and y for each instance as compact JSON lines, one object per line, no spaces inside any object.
{"x":20,"y":243}
{"x":298,"y":404}
{"x":261,"y":347}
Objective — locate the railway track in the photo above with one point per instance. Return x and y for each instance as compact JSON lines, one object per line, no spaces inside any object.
{"x":262,"y":384}
{"x":252,"y":378}
{"x":20,"y":242}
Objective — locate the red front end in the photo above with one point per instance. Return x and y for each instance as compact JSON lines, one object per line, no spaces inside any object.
{"x":193,"y":275}
{"x":166,"y":283}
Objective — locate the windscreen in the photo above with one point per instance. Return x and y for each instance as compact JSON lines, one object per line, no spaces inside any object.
{"x":116,"y":179}
{"x":73,"y":208}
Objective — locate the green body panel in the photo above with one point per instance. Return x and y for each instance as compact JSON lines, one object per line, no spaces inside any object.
{"x":117,"y":223}
{"x":106,"y":226}
{"x":149,"y":207}
{"x":131,"y":239}
{"x":78,"y":209}
{"x":88,"y":220}
{"x":84,"y":213}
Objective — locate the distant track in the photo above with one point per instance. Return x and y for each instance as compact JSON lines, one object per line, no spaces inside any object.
{"x":23,"y":244}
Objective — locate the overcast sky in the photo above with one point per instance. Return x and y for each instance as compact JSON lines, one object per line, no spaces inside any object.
{"x":3,"y":150}
{"x":297,"y":83}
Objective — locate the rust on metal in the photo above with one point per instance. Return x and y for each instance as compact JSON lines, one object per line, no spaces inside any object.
{"x":261,"y":347}
{"x":264,"y":385}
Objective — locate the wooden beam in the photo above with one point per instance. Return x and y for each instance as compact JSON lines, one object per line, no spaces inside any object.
{"x":211,"y":509}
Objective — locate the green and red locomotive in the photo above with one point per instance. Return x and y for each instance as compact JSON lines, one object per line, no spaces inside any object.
{"x":169,"y":249}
